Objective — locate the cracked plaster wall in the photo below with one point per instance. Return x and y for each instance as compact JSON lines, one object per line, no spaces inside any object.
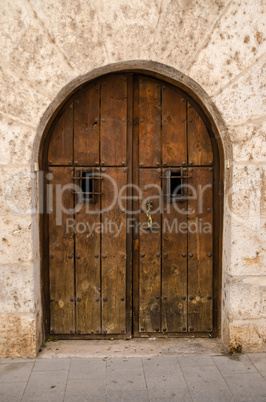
{"x":218,"y":43}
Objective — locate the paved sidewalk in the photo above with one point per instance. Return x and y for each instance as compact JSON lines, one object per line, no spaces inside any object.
{"x":167,"y":378}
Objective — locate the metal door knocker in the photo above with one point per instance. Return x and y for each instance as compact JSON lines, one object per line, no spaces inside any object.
{"x":148,"y":213}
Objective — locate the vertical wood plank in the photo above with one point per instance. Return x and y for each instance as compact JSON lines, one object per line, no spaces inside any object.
{"x":174,"y":264}
{"x":150,"y":254}
{"x":114,"y":242}
{"x":61,"y":255}
{"x":174,"y":141}
{"x":86,"y":127}
{"x":88,"y":275}
{"x":149,"y":122}
{"x":61,"y":143}
{"x":200,"y":250}
{"x":114,"y":120}
{"x":199,"y":143}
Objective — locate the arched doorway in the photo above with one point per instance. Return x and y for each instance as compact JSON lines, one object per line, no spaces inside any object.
{"x":134,"y":247}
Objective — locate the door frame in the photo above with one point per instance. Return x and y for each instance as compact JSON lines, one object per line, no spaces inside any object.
{"x":210,"y":116}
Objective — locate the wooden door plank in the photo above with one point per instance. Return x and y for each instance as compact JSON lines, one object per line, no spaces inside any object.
{"x":61,"y":255}
{"x":174,"y":262}
{"x":114,"y":120}
{"x":174,"y":141}
{"x":150,"y":254}
{"x":149,"y":122}
{"x":86,"y":127}
{"x":199,"y":143}
{"x":114,"y":242}
{"x":200,"y":251}
{"x":88,"y":270}
{"x":61,"y":143}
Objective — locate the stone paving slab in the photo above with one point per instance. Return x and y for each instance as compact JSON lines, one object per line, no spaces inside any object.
{"x":190,"y":377}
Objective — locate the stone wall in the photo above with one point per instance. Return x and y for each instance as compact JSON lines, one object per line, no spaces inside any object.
{"x":220,"y":44}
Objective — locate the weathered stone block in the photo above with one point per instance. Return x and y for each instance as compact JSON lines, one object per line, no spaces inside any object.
{"x":248,"y":256}
{"x":247,"y":298}
{"x":16,"y":240}
{"x":17,"y":288}
{"x":17,"y":335}
{"x":243,"y":99}
{"x":15,"y":191}
{"x":248,"y":337}
{"x":237,"y":40}
{"x":249,"y":142}
{"x":15,"y":142}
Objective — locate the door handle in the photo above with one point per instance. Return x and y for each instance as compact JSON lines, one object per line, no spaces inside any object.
{"x":148,"y":213}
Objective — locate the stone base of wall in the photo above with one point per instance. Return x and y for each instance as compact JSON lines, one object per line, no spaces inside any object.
{"x":18,"y":335}
{"x":247,"y":337}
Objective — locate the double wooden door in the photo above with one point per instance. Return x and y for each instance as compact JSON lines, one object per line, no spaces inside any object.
{"x":129,"y":218}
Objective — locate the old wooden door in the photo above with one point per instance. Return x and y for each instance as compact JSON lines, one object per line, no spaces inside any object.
{"x":130,"y":207}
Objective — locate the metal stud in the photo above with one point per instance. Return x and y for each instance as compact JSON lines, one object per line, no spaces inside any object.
{"x":158,"y":255}
{"x":190,"y":255}
{"x":71,"y":299}
{"x":78,"y":332}
{"x":191,"y":297}
{"x":78,"y":299}
{"x":78,"y":257}
{"x":209,"y":209}
{"x":157,"y":297}
{"x":105,"y":299}
{"x":164,"y":120}
{"x":105,"y":331}
{"x":122,"y":255}
{"x":123,"y":119}
{"x":165,"y":255}
{"x":103,"y":120}
{"x":125,"y":170}
{"x":52,"y":300}
{"x":190,"y":163}
{"x":123,"y":163}
{"x":183,"y":298}
{"x":104,"y":256}
{"x":183,"y":100}
{"x":164,"y":329}
{"x":97,"y":299}
{"x":165,"y":297}
{"x":141,"y":120}
{"x":165,"y":164}
{"x":51,"y":170}
{"x":157,"y":164}
{"x":123,"y":331}
{"x":50,"y":162}
{"x":51,"y":256}
{"x":70,"y":256}
{"x":70,"y":162}
{"x":157,"y":329}
{"x":210,"y":162}
{"x":184,"y":162}
{"x":142,"y":255}
{"x":96,"y":255}
{"x":190,"y":120}
{"x":141,"y":164}
{"x":209,"y":297}
{"x":184,"y":329}
{"x":183,"y":121}
{"x":209,"y":328}
{"x":122,"y":299}
{"x":103,"y":170}
{"x":96,"y":163}
{"x":142,"y":329}
{"x":183,"y":255}
{"x":71,"y":331}
{"x":209,"y":254}
{"x":191,"y":329}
